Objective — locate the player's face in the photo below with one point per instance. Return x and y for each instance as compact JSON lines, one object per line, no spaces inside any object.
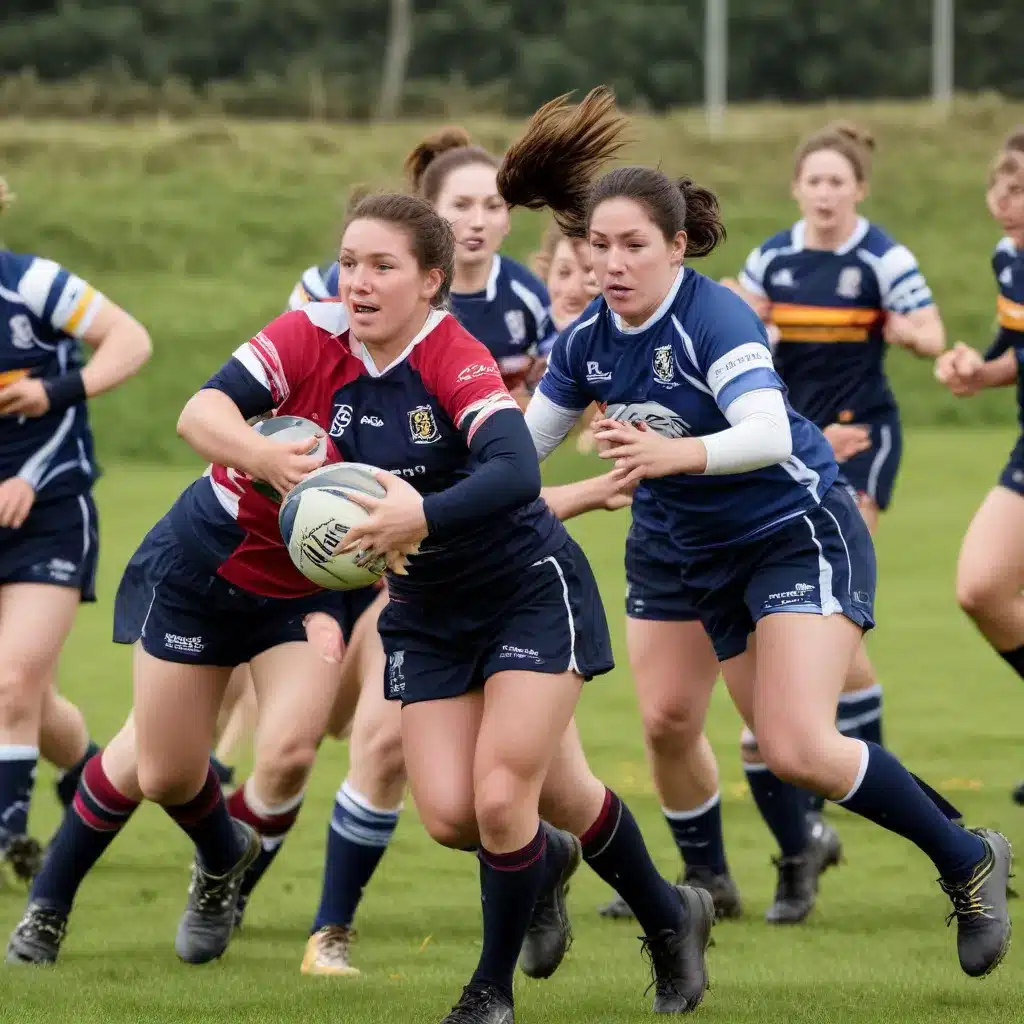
{"x":635,"y":266}
{"x":385,"y":291}
{"x":1005,"y":200}
{"x":827,"y":190}
{"x":571,"y":282}
{"x":470,"y":200}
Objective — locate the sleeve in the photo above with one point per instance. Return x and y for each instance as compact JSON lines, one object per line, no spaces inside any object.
{"x":538,"y":305}
{"x":262,"y":373}
{"x":467,"y":382}
{"x":57,"y":297}
{"x":506,"y":477}
{"x":560,"y":383}
{"x":758,"y":435}
{"x":313,"y":286}
{"x":753,"y":273}
{"x":901,"y":285}
{"x":549,"y":424}
{"x":732,"y":354}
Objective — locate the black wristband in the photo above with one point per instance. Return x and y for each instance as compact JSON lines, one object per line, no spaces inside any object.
{"x":64,"y":391}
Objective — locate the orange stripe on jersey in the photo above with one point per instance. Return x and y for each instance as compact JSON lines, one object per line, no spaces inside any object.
{"x":10,"y":376}
{"x":786,"y":314}
{"x":71,"y":325}
{"x":824,"y":334}
{"x":1011,"y":314}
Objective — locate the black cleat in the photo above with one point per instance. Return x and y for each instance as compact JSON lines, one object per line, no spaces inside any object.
{"x":979,"y":906}
{"x":23,"y":856}
{"x":209,"y":919}
{"x":824,"y":844}
{"x":1018,"y":794}
{"x":38,"y":935}
{"x":481,"y":1004}
{"x":678,"y":958}
{"x":243,"y":902}
{"x":617,"y":910}
{"x":795,"y":890}
{"x":550,"y":933}
{"x":724,"y":893}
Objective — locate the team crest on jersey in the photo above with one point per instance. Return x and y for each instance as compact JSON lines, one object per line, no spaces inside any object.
{"x":422,"y":425}
{"x":1006,"y":277}
{"x":342,"y":418}
{"x":664,"y":366}
{"x":22,"y":335}
{"x":849,"y":283}
{"x":515,"y":321}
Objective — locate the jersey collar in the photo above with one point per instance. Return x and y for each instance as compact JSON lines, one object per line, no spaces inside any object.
{"x":623,"y":328}
{"x":434,"y":318}
{"x":799,"y":235}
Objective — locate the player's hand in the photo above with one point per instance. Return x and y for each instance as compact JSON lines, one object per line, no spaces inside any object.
{"x":643,"y":454}
{"x":324,"y":634}
{"x":899,"y":330}
{"x":618,"y":492}
{"x":25,"y":397}
{"x":16,"y":500}
{"x":396,"y":523}
{"x":960,"y":369}
{"x":847,"y":439}
{"x":282,"y":466}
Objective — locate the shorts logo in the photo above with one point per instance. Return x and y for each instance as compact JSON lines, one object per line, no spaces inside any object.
{"x":800,"y":592}
{"x":515,"y":321}
{"x":664,"y":366}
{"x":849,"y":283}
{"x":511,"y":651}
{"x":423,"y":426}
{"x":342,"y":418}
{"x":396,"y":673}
{"x":184,"y":644}
{"x":22,"y":335}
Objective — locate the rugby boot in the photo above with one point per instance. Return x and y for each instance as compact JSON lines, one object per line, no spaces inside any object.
{"x":481,"y":1004}
{"x":327,"y":952}
{"x":37,"y":937}
{"x":549,"y":935}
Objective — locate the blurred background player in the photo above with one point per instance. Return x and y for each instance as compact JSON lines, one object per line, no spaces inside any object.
{"x":990,"y":571}
{"x":48,"y":523}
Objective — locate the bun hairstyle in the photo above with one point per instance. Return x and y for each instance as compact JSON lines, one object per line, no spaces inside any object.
{"x":6,"y":196}
{"x":852,"y":141}
{"x":1014,"y":142}
{"x":555,"y":162}
{"x":430,"y":163}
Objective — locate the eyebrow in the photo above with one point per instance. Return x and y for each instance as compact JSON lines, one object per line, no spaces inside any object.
{"x":624,"y":234}
{"x":371,"y":255}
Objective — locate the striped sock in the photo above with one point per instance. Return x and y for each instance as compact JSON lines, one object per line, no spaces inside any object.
{"x":358,"y":836}
{"x":17,"y":775}
{"x":698,"y":835}
{"x":96,"y":815}
{"x":271,"y":822}
{"x":860,"y":714}
{"x":205,"y":820}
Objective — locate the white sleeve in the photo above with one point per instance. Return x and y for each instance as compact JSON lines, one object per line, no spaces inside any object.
{"x":759,"y":435}
{"x":549,"y":423}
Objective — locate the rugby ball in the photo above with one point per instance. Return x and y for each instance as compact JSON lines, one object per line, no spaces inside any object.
{"x":286,"y":429}
{"x":315,"y":518}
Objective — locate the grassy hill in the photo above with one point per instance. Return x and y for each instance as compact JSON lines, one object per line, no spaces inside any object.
{"x":200,"y":228}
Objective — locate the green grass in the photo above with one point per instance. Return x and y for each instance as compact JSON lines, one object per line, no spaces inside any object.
{"x":875,"y":949}
{"x":201,"y":227}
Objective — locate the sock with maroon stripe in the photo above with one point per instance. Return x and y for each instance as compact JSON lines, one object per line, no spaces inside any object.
{"x":272,"y":823}
{"x":205,"y":820}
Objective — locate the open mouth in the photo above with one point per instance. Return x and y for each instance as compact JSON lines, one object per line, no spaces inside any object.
{"x":364,"y":308}
{"x":618,"y":291}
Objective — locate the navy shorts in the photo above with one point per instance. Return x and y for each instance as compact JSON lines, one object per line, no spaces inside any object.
{"x":653,"y":580}
{"x":546,"y":618}
{"x":1012,"y":476}
{"x":822,"y":562}
{"x":873,"y":471}
{"x":57,"y":544}
{"x":184,"y":614}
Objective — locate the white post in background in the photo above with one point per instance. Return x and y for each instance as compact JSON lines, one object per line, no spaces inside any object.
{"x":716,"y":63}
{"x":942,"y":55}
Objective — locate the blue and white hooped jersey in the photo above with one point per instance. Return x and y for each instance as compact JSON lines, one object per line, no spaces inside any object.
{"x":699,"y":351}
{"x":315,"y":285}
{"x":44,"y":309}
{"x":830,"y":309}
{"x":1008,"y":267}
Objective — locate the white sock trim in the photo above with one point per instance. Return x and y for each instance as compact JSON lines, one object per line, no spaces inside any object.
{"x":750,"y":767}
{"x":16,"y":752}
{"x":348,"y":792}
{"x":865,"y":754}
{"x":695,"y":813}
{"x":858,"y":695}
{"x":265,"y":810}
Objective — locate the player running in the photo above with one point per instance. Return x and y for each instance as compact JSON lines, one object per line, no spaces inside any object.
{"x":776,"y":558}
{"x":48,"y":525}
{"x":990,"y":572}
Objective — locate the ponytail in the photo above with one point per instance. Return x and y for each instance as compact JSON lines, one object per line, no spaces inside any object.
{"x":703,"y":224}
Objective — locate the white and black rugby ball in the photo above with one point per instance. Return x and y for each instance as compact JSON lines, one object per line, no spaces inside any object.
{"x":315,"y":518}
{"x":286,"y":429}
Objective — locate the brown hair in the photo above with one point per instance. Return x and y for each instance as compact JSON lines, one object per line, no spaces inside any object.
{"x":845,"y":138}
{"x":1014,"y":142}
{"x":6,"y":195}
{"x":1009,"y":160}
{"x":430,"y":163}
{"x":431,"y":238}
{"x":554,"y":162}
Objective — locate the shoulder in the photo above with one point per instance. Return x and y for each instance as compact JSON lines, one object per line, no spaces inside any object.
{"x":887,"y":258}
{"x":1005,"y":252}
{"x":578,"y":337}
{"x":31,"y":277}
{"x":779,"y":244}
{"x":13,"y":266}
{"x":712,"y":304}
{"x":521,"y":277}
{"x":445,"y":345}
{"x":296,"y":336}
{"x":876,"y":241}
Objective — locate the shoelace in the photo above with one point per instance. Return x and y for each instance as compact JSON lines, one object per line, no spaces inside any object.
{"x":473,"y":1004}
{"x":790,"y":870}
{"x":43,"y":924}
{"x":966,"y":898}
{"x":660,"y":952}
{"x":335,"y":942}
{"x":210,"y":893}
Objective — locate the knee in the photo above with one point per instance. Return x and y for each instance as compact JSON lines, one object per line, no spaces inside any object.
{"x":169,"y":785}
{"x":450,"y":823}
{"x":501,"y":797}
{"x":977,"y":594}
{"x":20,"y":697}
{"x":794,"y":755}
{"x":672,"y":727}
{"x":285,"y":765}
{"x":383,"y":757}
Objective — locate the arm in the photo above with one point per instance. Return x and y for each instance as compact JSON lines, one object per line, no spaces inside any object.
{"x":549,"y":424}
{"x":599,"y":492}
{"x":212,"y":424}
{"x":122,"y":347}
{"x":921,"y":331}
{"x":963,"y":370}
{"x":913,"y":322}
{"x":999,"y":373}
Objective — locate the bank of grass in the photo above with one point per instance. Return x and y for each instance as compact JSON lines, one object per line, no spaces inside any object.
{"x":200,"y":227}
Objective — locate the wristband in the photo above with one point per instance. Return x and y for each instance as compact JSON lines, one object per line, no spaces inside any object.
{"x":64,"y":391}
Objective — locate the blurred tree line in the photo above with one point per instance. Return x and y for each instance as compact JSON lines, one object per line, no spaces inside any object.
{"x":357,"y":58}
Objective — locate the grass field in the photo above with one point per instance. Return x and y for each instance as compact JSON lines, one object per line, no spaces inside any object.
{"x":875,"y":949}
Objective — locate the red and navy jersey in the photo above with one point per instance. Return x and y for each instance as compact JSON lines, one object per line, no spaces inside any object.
{"x":830,"y":308}
{"x":44,"y":309}
{"x":416,"y":418}
{"x":1008,"y":267}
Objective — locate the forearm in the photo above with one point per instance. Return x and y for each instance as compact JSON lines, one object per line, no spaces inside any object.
{"x":123,"y":351}
{"x":759,"y":436}
{"x":549,"y":424}
{"x":929,"y":340}
{"x":214,"y":427}
{"x":570,"y":500}
{"x":1001,"y":372}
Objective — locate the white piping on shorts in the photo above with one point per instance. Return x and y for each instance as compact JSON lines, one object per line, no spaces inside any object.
{"x":573,"y":666}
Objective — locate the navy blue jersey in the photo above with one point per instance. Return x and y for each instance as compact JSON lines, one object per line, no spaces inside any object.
{"x":417,"y":419}
{"x":315,"y":285}
{"x":1008,"y":267}
{"x":830,"y":309}
{"x":699,"y":351}
{"x":43,"y":310}
{"x":511,"y":316}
